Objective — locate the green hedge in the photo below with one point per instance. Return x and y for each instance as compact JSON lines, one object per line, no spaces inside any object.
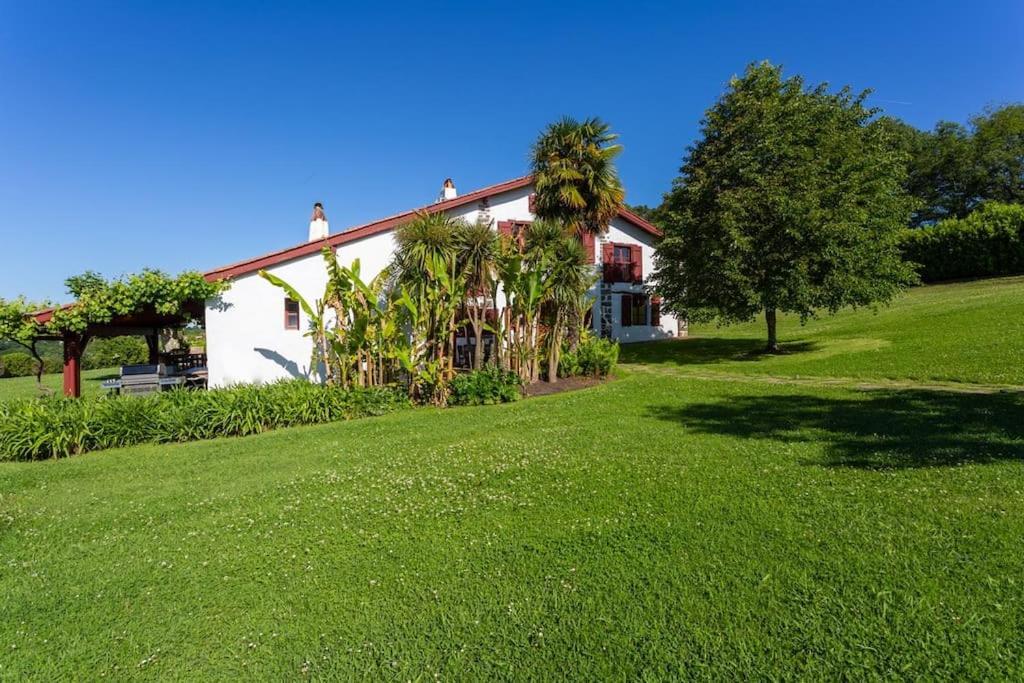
{"x":32,"y":429}
{"x":21,"y":364}
{"x":987,"y":243}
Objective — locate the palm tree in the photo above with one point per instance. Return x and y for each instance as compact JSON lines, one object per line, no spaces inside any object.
{"x":567,"y":277}
{"x":574,"y":175}
{"x":477,"y":259}
{"x":433,"y":290}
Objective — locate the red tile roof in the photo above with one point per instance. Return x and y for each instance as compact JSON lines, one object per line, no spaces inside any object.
{"x":385,"y":224}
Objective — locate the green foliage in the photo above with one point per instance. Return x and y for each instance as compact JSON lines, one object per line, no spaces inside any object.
{"x":987,"y":243}
{"x":99,"y":300}
{"x":573,"y":165}
{"x":109,"y":352}
{"x":592,"y":357}
{"x":21,"y":364}
{"x":355,"y":326}
{"x":32,"y":429}
{"x":953,"y":169}
{"x":790,"y":201}
{"x":488,"y":385}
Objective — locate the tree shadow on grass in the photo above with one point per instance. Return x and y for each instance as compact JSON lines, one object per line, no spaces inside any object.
{"x":706,"y":350}
{"x":874,"y":430}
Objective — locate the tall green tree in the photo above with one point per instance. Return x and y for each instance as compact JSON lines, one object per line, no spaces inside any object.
{"x":576,"y":183}
{"x":566,"y":277}
{"x":477,"y":258}
{"x":791,"y":201}
{"x":954,"y":168}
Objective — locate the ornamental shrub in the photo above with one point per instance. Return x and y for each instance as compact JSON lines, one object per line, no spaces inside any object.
{"x":592,"y":357}
{"x":987,"y":243}
{"x":17,"y":364}
{"x":481,"y":387}
{"x":114,"y":351}
{"x":32,"y":429}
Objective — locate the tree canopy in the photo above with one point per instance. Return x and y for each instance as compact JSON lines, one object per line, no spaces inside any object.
{"x":792,"y":200}
{"x":573,"y":165}
{"x":954,"y":168}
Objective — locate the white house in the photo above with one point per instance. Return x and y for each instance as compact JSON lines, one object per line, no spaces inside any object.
{"x":255,"y":334}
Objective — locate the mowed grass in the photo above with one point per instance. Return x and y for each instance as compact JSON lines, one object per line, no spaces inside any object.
{"x":27,"y":387}
{"x":662,"y":526}
{"x":960,"y":332}
{"x":656,"y":527}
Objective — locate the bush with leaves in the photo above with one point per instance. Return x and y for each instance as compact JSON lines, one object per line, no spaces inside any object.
{"x":33,"y":429}
{"x":592,"y":357}
{"x":987,"y":243}
{"x":488,"y":385}
{"x":114,"y":351}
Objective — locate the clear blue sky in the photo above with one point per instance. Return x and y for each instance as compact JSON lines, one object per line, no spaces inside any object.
{"x":190,"y":135}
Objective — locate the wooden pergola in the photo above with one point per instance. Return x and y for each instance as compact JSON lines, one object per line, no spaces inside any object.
{"x":146,"y":323}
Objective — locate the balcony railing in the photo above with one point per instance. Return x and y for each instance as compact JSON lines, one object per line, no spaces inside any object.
{"x":628,"y":271}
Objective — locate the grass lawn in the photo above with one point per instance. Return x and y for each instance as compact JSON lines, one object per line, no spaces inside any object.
{"x":26,"y":387}
{"x":965,"y":332}
{"x":661,"y":526}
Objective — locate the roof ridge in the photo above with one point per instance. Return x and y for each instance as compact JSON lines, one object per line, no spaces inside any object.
{"x":388,"y":222}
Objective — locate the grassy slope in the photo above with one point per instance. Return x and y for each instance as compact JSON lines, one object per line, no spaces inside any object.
{"x":969,"y":332}
{"x":660,"y":526}
{"x":657,"y":526}
{"x":25,"y":387}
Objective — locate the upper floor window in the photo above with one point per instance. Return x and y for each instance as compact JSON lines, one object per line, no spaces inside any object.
{"x":622,"y":263}
{"x":516,"y":230}
{"x":291,"y":314}
{"x":622,"y":254}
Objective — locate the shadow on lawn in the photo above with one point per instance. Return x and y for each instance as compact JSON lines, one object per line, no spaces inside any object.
{"x":701,"y":350}
{"x":879,"y":430}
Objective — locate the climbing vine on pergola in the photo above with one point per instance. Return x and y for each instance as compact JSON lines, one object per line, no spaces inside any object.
{"x":141,"y":303}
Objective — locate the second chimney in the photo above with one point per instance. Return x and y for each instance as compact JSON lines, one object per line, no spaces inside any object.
{"x":318,"y":226}
{"x":447,"y":191}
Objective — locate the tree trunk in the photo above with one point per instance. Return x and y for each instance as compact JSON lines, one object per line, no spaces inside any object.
{"x":773,"y":340}
{"x":478,"y":352}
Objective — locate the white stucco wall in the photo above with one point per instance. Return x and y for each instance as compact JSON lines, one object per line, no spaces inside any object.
{"x":245,"y":336}
{"x":246,"y":340}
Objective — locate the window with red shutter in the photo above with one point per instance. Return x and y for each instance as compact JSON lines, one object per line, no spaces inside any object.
{"x":515,"y":230}
{"x":636,"y":261}
{"x":587,"y":239}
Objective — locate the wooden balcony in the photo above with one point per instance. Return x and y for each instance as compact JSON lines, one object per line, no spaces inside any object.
{"x":628,"y":271}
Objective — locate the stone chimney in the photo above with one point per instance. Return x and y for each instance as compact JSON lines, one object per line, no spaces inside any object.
{"x":318,"y":226}
{"x":447,"y":191}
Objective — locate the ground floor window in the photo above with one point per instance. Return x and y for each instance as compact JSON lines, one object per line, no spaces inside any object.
{"x":291,"y":314}
{"x":634,"y":310}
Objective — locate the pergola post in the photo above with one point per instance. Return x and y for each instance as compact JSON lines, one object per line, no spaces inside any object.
{"x":153,"y":342}
{"x":73,"y":345}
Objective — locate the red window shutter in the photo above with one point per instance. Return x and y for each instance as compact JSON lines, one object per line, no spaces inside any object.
{"x":635,"y":255}
{"x":607,"y":252}
{"x":656,"y":311}
{"x":627,"y":310}
{"x":505,"y":228}
{"x":533,"y":201}
{"x":588,"y":245}
{"x":607,"y":259}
